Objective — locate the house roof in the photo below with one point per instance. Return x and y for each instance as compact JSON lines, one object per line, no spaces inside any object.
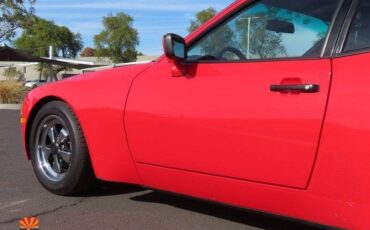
{"x":8,"y":54}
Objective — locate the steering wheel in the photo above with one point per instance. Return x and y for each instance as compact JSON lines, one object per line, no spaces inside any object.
{"x":233,"y":50}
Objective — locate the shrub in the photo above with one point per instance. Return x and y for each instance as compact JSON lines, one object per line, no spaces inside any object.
{"x":11,"y":92}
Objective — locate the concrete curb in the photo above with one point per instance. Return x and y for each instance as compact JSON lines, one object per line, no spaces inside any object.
{"x":10,"y":106}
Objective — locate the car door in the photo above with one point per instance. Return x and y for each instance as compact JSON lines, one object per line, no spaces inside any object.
{"x":251,"y":104}
{"x":347,"y":128}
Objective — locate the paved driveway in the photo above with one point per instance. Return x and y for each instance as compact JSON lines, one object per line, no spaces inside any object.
{"x":111,"y":206}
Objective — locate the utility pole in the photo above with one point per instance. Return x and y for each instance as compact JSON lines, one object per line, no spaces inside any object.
{"x":50,"y":66}
{"x":249,"y":35}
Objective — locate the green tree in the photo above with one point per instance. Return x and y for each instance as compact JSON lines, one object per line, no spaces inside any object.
{"x":216,"y":41}
{"x":261,"y":43}
{"x":201,"y":18}
{"x":14,"y":14}
{"x":36,"y":39}
{"x":118,"y":40}
{"x":69,"y":43}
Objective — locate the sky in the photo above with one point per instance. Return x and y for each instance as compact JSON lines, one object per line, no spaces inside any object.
{"x":153,"y":18}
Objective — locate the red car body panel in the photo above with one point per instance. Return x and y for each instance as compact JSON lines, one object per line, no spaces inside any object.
{"x":98,"y":100}
{"x":308,"y":154}
{"x":192,"y":123}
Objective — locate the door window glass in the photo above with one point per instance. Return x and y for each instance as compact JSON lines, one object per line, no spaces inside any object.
{"x":359,"y":34}
{"x":269,"y":29}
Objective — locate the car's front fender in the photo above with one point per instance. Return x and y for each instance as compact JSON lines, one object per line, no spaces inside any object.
{"x":98,"y":101}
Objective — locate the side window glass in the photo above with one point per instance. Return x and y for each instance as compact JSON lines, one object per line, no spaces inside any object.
{"x":269,"y":29}
{"x":359,"y":34}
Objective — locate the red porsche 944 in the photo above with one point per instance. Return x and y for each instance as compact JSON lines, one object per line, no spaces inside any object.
{"x":265,"y":107}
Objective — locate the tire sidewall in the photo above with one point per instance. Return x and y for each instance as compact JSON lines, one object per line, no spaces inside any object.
{"x":61,"y":110}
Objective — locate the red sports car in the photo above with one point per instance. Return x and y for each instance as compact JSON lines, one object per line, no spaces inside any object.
{"x":266,"y":107}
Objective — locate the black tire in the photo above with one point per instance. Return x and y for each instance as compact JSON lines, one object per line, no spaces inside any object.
{"x":73,"y":176}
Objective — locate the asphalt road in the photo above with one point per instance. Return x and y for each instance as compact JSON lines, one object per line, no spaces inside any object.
{"x":111,"y":206}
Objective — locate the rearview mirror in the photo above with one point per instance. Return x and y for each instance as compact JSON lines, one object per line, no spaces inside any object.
{"x":280,"y":26}
{"x":174,"y":47}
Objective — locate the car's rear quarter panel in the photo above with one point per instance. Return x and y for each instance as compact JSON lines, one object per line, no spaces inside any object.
{"x":342,"y":172}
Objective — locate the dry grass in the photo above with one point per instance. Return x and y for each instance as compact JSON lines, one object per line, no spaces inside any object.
{"x":11,"y":92}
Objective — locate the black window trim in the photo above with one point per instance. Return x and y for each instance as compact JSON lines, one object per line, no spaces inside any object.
{"x":353,"y":52}
{"x":334,"y":32}
{"x":339,"y":50}
{"x":327,"y":50}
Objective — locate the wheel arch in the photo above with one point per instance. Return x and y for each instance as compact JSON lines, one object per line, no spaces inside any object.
{"x":32,"y":115}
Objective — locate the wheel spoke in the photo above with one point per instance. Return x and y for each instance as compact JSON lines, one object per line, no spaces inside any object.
{"x":63,"y":136}
{"x":46,"y":151}
{"x":65,"y":155}
{"x":52,"y":134}
{"x":56,"y":165}
{"x":54,"y":147}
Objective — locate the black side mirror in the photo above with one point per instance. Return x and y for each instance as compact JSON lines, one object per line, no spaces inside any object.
{"x":174,"y":47}
{"x":280,"y":26}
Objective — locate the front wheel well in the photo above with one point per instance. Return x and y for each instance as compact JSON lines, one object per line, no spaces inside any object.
{"x":32,"y":116}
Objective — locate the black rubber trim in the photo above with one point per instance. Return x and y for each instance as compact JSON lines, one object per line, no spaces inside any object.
{"x":336,"y":28}
{"x":353,"y":52}
{"x":284,"y":59}
{"x":346,"y":26}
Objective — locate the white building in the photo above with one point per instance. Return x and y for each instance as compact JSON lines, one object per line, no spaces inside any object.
{"x":31,"y":70}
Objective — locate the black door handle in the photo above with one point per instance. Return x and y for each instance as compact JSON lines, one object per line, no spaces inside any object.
{"x":305,"y":88}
